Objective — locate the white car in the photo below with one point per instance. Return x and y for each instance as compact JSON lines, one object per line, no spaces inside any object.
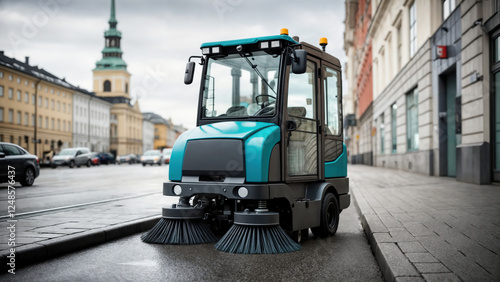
{"x":152,"y":157}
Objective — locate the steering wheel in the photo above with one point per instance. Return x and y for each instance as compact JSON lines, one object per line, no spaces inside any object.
{"x":266,"y":108}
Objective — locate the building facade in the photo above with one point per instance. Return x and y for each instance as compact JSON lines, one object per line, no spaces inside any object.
{"x":434,"y":89}
{"x":91,"y":121}
{"x":35,"y":108}
{"x":162,"y":131}
{"x":358,"y":110}
{"x":112,"y":83}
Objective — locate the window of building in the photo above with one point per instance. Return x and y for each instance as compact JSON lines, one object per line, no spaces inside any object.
{"x":64,"y":125}
{"x":394,"y":136}
{"x":52,"y":104}
{"x":11,"y":93}
{"x":40,"y":121}
{"x":19,"y":117}
{"x":33,"y":98}
{"x":11,"y":116}
{"x":1,"y":91}
{"x":10,"y":77}
{"x":58,"y":106}
{"x":126,"y":87}
{"x":52,"y":123}
{"x":46,"y":103}
{"x":1,"y":74}
{"x":27,"y":97}
{"x":33,"y":119}
{"x":26,"y":119}
{"x":46,"y":123}
{"x":26,"y":82}
{"x":59,"y":125}
{"x":19,"y":80}
{"x":19,"y":95}
{"x":1,"y":114}
{"x":382,"y":133}
{"x":64,"y":107}
{"x":412,"y":120}
{"x":448,"y":7}
{"x":107,"y":86}
{"x":413,"y":29}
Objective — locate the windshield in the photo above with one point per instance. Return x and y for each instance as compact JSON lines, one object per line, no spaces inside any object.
{"x":67,"y":152}
{"x":152,"y":153}
{"x":241,"y":85}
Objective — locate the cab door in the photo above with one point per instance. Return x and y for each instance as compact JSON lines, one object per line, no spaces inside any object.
{"x":332,"y":121}
{"x":301,"y":119}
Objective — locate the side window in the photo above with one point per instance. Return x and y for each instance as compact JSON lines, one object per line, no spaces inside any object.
{"x":332,"y":87}
{"x":10,"y":150}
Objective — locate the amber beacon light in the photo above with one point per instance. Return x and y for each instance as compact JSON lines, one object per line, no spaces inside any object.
{"x":323,"y":42}
{"x":284,"y":31}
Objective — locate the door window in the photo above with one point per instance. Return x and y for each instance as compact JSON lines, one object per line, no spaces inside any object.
{"x":301,"y":108}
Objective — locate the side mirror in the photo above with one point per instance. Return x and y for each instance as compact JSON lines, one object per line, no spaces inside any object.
{"x":189,"y":74}
{"x":299,"y":61}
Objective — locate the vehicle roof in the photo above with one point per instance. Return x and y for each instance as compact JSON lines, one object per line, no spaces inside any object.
{"x":248,"y":41}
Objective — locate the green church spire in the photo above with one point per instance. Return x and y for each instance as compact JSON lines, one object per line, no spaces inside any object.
{"x":112,"y":53}
{"x":112,"y":20}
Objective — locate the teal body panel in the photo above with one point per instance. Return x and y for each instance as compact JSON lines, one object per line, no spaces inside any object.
{"x":248,"y":41}
{"x":337,"y":168}
{"x":259,"y":139}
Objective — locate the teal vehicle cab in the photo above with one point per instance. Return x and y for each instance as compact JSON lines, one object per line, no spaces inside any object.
{"x":268,"y":147}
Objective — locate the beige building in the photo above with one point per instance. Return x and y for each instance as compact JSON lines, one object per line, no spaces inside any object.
{"x":112,"y":83}
{"x":35,"y":107}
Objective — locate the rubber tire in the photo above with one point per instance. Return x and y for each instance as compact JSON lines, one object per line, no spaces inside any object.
{"x":29,"y":177}
{"x":143,"y":164}
{"x":89,"y":163}
{"x":299,"y":236}
{"x":329,"y":217}
{"x":71,"y":164}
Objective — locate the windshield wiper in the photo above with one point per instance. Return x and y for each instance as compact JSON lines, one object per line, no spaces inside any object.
{"x":254,"y":67}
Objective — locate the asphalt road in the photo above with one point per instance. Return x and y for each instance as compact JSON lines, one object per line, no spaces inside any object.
{"x":344,"y":257}
{"x":63,"y":186}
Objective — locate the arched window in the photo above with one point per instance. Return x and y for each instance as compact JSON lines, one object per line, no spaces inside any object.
{"x":107,"y":86}
{"x":126,"y":87}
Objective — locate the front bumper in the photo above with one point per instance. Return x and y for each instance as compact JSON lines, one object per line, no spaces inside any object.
{"x":228,"y":190}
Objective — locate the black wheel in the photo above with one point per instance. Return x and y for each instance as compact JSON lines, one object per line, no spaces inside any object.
{"x":89,"y":163}
{"x":329,"y":217}
{"x":53,"y":166}
{"x":143,"y":164}
{"x":29,"y":177}
{"x":71,"y":164}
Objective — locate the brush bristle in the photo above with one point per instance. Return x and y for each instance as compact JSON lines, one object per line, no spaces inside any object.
{"x":243,"y":239}
{"x":179,"y":232}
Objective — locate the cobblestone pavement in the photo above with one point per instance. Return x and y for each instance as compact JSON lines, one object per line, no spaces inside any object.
{"x":428,"y":228}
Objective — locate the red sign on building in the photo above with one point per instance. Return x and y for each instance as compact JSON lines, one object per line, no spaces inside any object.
{"x":441,"y":52}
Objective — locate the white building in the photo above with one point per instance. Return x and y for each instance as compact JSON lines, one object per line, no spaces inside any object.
{"x":148,"y":135}
{"x":91,"y":121}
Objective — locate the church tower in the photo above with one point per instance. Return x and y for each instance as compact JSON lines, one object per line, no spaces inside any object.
{"x":112,"y":83}
{"x":111,"y":78}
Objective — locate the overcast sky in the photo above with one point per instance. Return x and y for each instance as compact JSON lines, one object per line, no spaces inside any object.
{"x":66,"y":37}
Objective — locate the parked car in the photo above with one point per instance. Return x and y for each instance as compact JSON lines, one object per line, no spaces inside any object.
{"x":18,"y":164}
{"x":106,"y":158}
{"x":166,"y":155}
{"x":95,"y":159}
{"x":152,"y":157}
{"x":72,"y":157}
{"x":130,"y":159}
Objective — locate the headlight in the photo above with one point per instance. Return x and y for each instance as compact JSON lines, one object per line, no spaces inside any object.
{"x":243,"y":192}
{"x":177,"y":190}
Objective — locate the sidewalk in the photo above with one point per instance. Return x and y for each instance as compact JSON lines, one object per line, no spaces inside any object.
{"x":48,"y":235}
{"x":428,"y":228}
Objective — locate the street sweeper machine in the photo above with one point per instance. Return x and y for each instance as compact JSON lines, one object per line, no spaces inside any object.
{"x":266,"y":162}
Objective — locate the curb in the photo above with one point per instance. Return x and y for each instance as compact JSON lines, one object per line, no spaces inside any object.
{"x":48,"y":249}
{"x":393,"y":264}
